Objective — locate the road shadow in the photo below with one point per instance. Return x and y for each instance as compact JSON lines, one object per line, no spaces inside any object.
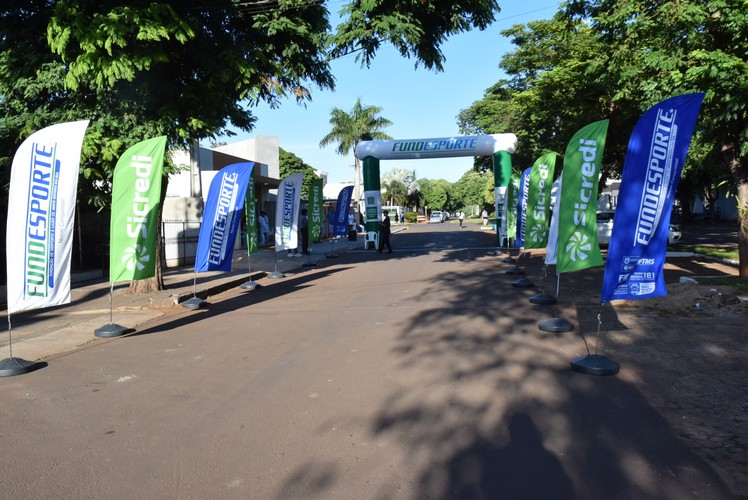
{"x":247,"y":299}
{"x":501,"y":415}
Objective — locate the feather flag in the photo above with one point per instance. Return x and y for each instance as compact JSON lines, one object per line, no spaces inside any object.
{"x":41,"y":209}
{"x":222,"y":218}
{"x":136,"y":198}
{"x":654,"y":160}
{"x":287,"y":213}
{"x":578,"y":247}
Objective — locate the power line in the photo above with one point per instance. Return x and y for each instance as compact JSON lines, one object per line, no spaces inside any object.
{"x":528,"y":12}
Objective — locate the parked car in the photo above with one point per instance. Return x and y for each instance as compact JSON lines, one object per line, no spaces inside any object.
{"x":436,"y":216}
{"x":604,"y":226}
{"x":605,"y":229}
{"x":673,"y":234}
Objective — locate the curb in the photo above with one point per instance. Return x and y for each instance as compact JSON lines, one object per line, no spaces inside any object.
{"x":729,"y":262}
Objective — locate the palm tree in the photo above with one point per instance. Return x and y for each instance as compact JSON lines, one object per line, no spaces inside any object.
{"x":348,"y":129}
{"x":397,"y":191}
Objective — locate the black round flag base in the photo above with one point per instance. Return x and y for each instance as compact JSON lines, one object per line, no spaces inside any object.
{"x":556,"y":325}
{"x":508,"y":260}
{"x":276,"y":275}
{"x":332,"y":256}
{"x":516,"y":271}
{"x":543,"y":299}
{"x":194,"y":303}
{"x":523,"y":283}
{"x":10,"y":367}
{"x":112,"y":330}
{"x":249,"y":285}
{"x":593,"y":364}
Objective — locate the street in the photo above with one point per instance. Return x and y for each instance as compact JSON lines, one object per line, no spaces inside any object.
{"x":420,"y":374}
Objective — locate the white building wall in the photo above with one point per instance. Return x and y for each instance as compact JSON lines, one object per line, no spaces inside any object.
{"x":262,"y":149}
{"x":183,"y":209}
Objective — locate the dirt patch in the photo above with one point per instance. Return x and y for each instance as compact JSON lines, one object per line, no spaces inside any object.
{"x":688,"y":354}
{"x":695,"y":300}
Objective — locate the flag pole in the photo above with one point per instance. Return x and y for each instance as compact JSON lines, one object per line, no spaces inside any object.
{"x":249,"y":285}
{"x":15,"y":366}
{"x":595,"y":364}
{"x":508,"y":259}
{"x":556,"y":324}
{"x":505,"y":239}
{"x":253,"y":245}
{"x":112,"y":329}
{"x":523,"y":282}
{"x":543,"y":298}
{"x":332,"y":253}
{"x":276,"y":274}
{"x":515,"y":271}
{"x":309,"y":262}
{"x":308,"y":249}
{"x":194,"y":302}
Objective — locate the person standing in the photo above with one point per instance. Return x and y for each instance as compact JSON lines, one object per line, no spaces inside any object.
{"x":461,"y":217}
{"x":304,"y":232}
{"x":484,"y":215}
{"x":384,"y":235}
{"x":264,"y":228}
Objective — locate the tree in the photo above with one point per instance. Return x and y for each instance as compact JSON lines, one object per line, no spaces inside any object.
{"x":396,"y":192}
{"x":614,"y":59}
{"x":489,"y":196}
{"x":415,"y":29}
{"x":435,"y":193}
{"x":290,"y":163}
{"x":362,"y":123}
{"x":558,"y":82}
{"x":469,"y":189}
{"x":660,"y":49}
{"x":189,"y":69}
{"x":407,"y":177}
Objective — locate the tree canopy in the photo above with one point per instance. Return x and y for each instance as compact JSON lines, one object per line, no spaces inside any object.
{"x":599,"y":59}
{"x":290,"y":164}
{"x":469,"y":190}
{"x":190,"y":69}
{"x":348,"y":128}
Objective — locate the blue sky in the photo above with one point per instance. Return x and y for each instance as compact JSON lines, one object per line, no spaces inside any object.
{"x":419,"y":102}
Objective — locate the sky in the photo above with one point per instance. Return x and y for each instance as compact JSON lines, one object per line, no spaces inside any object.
{"x":420,"y":103}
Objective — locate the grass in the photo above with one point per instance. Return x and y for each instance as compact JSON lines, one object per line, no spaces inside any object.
{"x":720,"y":253}
{"x":740,"y":284}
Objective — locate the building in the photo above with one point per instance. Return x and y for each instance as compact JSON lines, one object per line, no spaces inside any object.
{"x":187,"y":191}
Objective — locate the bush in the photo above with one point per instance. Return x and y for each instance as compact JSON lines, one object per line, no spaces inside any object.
{"x":410,"y":216}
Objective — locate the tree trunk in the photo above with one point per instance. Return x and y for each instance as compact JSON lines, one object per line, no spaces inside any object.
{"x":743,"y":229}
{"x":686,"y":214}
{"x":711,"y":199}
{"x":155,"y":283}
{"x":739,"y":171}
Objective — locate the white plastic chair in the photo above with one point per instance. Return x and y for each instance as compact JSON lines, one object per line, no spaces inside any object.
{"x":371,"y":237}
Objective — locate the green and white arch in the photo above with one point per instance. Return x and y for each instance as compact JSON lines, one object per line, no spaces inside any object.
{"x":499,"y":146}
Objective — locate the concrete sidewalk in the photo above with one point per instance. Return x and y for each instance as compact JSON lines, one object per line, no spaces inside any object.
{"x":44,"y":333}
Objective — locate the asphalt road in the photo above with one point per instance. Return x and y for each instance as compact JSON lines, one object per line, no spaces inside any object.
{"x":416,"y":375}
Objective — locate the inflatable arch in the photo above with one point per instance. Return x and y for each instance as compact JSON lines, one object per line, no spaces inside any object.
{"x":499,"y":146}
